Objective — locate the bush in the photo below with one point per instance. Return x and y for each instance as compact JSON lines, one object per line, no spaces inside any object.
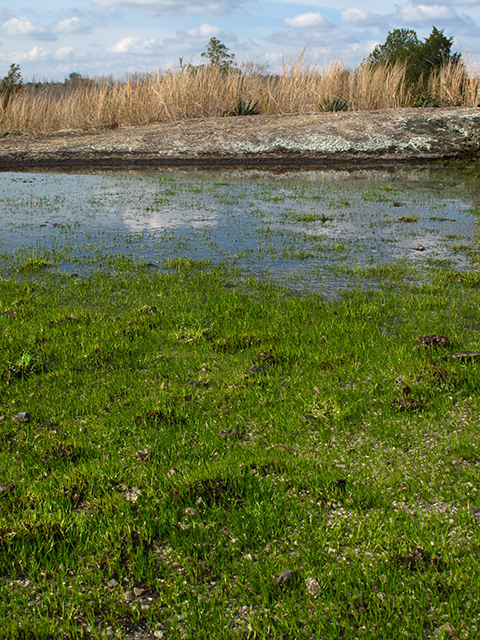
{"x":421,"y":58}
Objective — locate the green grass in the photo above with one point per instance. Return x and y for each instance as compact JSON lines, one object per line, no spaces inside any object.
{"x":169,"y":443}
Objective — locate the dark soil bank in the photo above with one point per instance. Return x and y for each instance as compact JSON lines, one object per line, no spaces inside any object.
{"x":361,"y":137}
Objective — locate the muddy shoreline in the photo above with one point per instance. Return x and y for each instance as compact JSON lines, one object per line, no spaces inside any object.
{"x":351,"y":138}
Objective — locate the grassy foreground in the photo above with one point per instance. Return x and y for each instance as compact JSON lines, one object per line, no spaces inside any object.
{"x":190,"y":455}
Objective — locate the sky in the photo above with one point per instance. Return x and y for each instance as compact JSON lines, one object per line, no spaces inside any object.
{"x":50,"y":39}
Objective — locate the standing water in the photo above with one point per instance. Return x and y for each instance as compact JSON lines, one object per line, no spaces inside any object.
{"x":313,"y":229}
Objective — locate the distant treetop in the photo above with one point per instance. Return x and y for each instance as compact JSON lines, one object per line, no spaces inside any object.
{"x":219,"y":56}
{"x":421,"y":58}
{"x":12,"y":83}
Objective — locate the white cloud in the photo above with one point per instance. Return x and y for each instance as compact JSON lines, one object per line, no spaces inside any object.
{"x":355,"y":16}
{"x":175,"y":7}
{"x":204,"y":31}
{"x":32,"y":56}
{"x":72,"y":26}
{"x":129,"y":44}
{"x":190,"y":42}
{"x":64,"y":53}
{"x":19,"y":27}
{"x":305,"y":21}
{"x":411,"y":13}
{"x":125,"y":45}
{"x":362,"y":18}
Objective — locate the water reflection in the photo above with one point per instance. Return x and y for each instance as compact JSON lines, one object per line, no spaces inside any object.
{"x":308,"y":226}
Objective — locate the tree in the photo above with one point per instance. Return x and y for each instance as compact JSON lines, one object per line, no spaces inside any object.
{"x":12,"y":83}
{"x":421,"y":58}
{"x":219,"y":56}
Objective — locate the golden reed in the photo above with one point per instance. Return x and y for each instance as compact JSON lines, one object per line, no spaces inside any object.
{"x":302,"y":87}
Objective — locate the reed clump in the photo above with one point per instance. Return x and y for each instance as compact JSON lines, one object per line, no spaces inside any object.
{"x":303,"y":86}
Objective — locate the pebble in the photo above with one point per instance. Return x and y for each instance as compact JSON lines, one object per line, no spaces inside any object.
{"x":312,"y":587}
{"x":112,"y":583}
{"x":285,"y":577}
{"x":143,"y":455}
{"x":257,"y":368}
{"x":138,"y":592}
{"x":7,"y":488}
{"x":190,"y":511}
{"x":22,"y":416}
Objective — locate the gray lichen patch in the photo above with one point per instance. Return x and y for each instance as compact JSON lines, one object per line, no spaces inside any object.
{"x":361,"y":136}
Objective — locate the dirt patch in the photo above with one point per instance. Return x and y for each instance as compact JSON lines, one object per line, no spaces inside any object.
{"x":391,"y":135}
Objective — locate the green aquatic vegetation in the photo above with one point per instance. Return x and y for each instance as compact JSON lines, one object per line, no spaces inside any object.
{"x":408,"y":219}
{"x":33,"y":263}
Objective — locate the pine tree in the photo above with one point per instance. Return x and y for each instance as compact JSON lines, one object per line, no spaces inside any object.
{"x":12,"y":83}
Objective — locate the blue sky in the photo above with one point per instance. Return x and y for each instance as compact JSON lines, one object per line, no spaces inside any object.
{"x":50,"y":39}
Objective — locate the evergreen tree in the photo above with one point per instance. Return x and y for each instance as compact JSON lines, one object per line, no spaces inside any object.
{"x":219,"y":56}
{"x":421,"y":58}
{"x":12,"y":83}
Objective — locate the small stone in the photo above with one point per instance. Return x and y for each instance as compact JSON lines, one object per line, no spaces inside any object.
{"x":158,"y":634}
{"x":112,"y":583}
{"x":23,"y":416}
{"x":257,"y":368}
{"x":143,"y":454}
{"x":137,"y":592}
{"x":419,"y":247}
{"x":433,"y":340}
{"x":7,"y":488}
{"x":128,"y":596}
{"x":312,"y":587}
{"x":190,"y":511}
{"x":133,"y":494}
{"x":61,"y":568}
{"x":172,"y":472}
{"x":285,"y":577}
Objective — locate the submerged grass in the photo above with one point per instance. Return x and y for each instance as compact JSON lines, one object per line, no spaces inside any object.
{"x":196,"y":455}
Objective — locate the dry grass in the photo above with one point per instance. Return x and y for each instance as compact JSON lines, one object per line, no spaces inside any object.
{"x":302,"y":87}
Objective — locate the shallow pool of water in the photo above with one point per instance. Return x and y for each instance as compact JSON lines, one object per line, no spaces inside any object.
{"x":310,"y":228}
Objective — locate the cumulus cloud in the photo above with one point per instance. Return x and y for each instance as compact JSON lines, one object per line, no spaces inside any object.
{"x":35,"y":54}
{"x":361,"y":18}
{"x":189,"y":42}
{"x":129,"y":44}
{"x":72,"y":26}
{"x":19,"y":27}
{"x":64,"y":53}
{"x":204,"y":31}
{"x":305,"y":21}
{"x":175,"y":7}
{"x":420,"y":13}
{"x":440,"y":15}
{"x":23,"y":27}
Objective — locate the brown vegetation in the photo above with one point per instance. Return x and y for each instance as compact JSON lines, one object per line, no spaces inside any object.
{"x":302,"y":87}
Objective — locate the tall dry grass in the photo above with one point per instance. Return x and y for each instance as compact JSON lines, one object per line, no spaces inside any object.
{"x":303,"y":86}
